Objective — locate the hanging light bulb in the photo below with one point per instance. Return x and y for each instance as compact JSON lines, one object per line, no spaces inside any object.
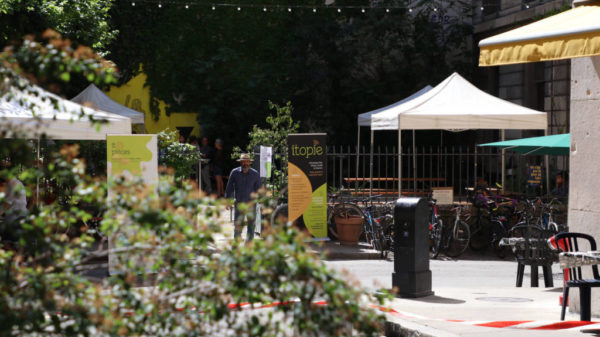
{"x":239,"y":8}
{"x":133,"y":4}
{"x":314,"y":10}
{"x":187,"y":6}
{"x":435,"y":9}
{"x":410,"y":10}
{"x":159,"y":5}
{"x":362,"y":10}
{"x":289,"y":9}
{"x":387,"y":10}
{"x":527,"y":6}
{"x":264,"y":9}
{"x":339,"y":10}
{"x":213,"y":7}
{"x":482,"y":8}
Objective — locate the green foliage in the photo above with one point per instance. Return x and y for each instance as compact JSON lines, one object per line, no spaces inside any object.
{"x":169,"y":278}
{"x":86,"y":22}
{"x":225,"y":63}
{"x":279,"y":126}
{"x":181,"y":157}
{"x":167,"y":242}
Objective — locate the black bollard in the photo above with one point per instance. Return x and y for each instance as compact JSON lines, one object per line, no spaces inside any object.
{"x":411,"y":277}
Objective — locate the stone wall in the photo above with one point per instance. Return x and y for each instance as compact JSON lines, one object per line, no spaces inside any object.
{"x":584,"y":210}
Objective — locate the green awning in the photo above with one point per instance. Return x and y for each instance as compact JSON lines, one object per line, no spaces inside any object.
{"x":550,"y":145}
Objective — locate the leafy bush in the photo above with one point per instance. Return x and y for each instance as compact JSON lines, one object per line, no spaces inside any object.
{"x":181,"y":157}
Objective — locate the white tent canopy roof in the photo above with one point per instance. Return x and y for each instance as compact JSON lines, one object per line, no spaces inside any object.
{"x":95,"y":98}
{"x":456,"y":104}
{"x":31,"y":115}
{"x":364,"y":119}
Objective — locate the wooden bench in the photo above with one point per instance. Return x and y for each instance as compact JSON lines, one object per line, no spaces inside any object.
{"x":366,"y":179}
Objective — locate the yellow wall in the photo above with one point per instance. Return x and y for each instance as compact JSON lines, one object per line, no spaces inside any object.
{"x":134,"y":95}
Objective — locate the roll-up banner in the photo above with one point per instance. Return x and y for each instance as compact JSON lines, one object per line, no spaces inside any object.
{"x":307,"y":182}
{"x":131,"y":156}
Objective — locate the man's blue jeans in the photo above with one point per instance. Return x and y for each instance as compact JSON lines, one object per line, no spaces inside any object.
{"x":247,"y":219}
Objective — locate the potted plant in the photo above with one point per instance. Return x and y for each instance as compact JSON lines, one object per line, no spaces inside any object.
{"x":349,"y":226}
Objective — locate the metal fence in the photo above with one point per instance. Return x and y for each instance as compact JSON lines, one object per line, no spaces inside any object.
{"x":456,"y":167}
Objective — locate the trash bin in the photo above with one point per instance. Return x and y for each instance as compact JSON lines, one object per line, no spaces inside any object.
{"x":411,"y":277}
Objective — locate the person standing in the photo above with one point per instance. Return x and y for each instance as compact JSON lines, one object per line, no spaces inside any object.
{"x":206,"y":153}
{"x":243,"y":182}
{"x":218,"y":167}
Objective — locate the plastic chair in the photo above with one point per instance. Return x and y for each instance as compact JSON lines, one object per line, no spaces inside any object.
{"x":534,"y":252}
{"x":570,"y":242}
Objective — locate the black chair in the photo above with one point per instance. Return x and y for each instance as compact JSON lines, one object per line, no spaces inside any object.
{"x":570,"y":242}
{"x":535,"y":252}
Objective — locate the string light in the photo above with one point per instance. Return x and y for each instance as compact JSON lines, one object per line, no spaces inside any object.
{"x":527,"y":6}
{"x":265,"y":7}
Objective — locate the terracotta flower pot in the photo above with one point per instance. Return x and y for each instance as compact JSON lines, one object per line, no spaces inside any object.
{"x":349,"y":229}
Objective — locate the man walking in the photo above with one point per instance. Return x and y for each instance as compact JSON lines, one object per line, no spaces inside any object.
{"x":243,"y":181}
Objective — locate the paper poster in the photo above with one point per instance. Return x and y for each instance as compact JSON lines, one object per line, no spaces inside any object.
{"x":443,"y":195}
{"x":534,"y":175}
{"x":307,"y":182}
{"x":266,"y":158}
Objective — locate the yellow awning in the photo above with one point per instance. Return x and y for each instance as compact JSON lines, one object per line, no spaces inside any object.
{"x":574,"y":33}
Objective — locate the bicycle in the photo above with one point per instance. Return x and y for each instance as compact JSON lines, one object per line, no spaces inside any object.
{"x":487,"y":230}
{"x":343,"y":208}
{"x":372,"y":229}
{"x":456,"y":237}
{"x":436,"y":229}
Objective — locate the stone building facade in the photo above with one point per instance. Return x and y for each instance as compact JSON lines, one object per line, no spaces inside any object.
{"x":543,"y":86}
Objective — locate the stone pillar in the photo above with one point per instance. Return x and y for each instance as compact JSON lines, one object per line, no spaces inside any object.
{"x":584,"y":182}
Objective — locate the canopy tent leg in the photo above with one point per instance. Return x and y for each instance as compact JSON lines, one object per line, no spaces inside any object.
{"x":371,"y":164}
{"x":414,"y":163}
{"x":37,"y":184}
{"x":357,"y":152}
{"x":399,"y":163}
{"x":503,"y":136}
{"x":547,"y":169}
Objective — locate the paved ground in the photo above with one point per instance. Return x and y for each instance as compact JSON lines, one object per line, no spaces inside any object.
{"x":476,"y":289}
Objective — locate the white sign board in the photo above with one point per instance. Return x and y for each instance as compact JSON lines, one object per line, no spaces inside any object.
{"x":443,"y":195}
{"x":266,"y":158}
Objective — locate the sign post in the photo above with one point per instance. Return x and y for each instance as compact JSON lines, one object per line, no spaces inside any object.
{"x":307,"y":182}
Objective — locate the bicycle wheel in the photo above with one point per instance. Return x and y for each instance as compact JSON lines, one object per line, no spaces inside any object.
{"x":497,"y":233}
{"x":340,"y":209}
{"x":279,"y":218}
{"x":379,"y":240}
{"x":459,"y":239}
{"x":435,"y":238}
{"x":478,"y":240}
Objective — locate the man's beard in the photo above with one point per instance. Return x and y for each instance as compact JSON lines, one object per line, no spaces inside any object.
{"x":245,"y":168}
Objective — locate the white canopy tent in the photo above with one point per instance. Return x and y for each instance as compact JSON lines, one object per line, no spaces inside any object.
{"x":29,"y":115}
{"x":38,"y":112}
{"x":456,"y":104}
{"x":95,"y":98}
{"x":364,"y":119}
